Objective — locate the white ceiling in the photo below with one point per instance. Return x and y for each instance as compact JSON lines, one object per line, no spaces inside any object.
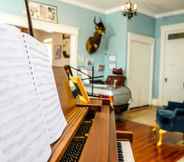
{"x":153,"y":7}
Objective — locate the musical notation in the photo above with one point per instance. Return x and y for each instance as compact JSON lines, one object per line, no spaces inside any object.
{"x":27,"y":123}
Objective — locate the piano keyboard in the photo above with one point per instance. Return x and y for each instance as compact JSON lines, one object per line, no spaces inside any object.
{"x":125,"y":153}
{"x":75,"y":148}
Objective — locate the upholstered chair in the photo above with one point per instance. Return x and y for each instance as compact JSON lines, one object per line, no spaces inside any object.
{"x":170,"y":118}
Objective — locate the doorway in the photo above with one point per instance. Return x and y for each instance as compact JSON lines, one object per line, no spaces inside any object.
{"x":172,"y":67}
{"x":140,"y":69}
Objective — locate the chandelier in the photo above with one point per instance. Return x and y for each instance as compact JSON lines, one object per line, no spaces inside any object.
{"x":129,"y":9}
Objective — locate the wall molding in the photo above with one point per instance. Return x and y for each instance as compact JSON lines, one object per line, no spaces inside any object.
{"x":116,"y":9}
{"x":83,"y":5}
{"x":49,"y":27}
{"x":103,"y":11}
{"x":173,"y":13}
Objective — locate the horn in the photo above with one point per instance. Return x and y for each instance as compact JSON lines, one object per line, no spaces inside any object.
{"x":101,"y":20}
{"x":95,"y":20}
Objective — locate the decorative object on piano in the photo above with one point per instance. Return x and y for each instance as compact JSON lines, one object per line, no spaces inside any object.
{"x":129,"y":9}
{"x":117,"y":71}
{"x":74,"y":88}
{"x":43,"y":12}
{"x":93,"y":43}
{"x":91,"y":77}
{"x":66,"y":45}
{"x":80,"y":90}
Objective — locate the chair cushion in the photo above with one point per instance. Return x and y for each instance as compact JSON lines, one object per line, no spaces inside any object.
{"x":166,"y":113}
{"x":165,"y":118}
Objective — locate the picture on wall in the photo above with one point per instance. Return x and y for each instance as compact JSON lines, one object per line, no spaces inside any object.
{"x":66,"y":46}
{"x":43,"y":12}
{"x":61,"y":49}
{"x":58,"y":54}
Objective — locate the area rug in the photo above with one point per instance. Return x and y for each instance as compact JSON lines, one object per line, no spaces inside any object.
{"x":145,"y":116}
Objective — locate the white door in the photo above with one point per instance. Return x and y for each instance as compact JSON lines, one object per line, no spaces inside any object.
{"x":139,"y":70}
{"x":173,"y":87}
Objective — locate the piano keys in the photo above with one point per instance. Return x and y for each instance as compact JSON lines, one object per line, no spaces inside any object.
{"x":125,"y":153}
{"x":85,"y":140}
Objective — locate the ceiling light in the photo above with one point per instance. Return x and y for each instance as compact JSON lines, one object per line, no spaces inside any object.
{"x":129,"y":9}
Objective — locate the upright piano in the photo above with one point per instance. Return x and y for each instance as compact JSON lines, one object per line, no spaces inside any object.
{"x":91,"y":134}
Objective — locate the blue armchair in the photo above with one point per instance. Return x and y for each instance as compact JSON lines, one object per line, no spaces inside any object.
{"x":170,"y":118}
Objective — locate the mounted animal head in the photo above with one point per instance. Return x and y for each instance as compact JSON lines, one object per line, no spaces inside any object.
{"x":99,"y":26}
{"x":93,"y":43}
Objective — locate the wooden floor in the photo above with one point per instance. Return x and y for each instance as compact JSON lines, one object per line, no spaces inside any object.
{"x":144,"y":146}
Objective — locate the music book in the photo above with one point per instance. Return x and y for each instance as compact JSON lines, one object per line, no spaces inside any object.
{"x":27,"y":124}
{"x":40,"y":64}
{"x":2,"y":157}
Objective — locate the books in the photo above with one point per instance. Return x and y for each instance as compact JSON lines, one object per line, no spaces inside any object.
{"x":30,"y":114}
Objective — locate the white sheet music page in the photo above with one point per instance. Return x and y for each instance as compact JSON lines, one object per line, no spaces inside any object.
{"x":2,"y":157}
{"x":42,"y":70}
{"x":22,"y":134}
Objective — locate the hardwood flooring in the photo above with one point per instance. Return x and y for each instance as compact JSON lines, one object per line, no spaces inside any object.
{"x":144,"y":146}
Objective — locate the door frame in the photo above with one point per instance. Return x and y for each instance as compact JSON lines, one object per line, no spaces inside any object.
{"x":164,"y":31}
{"x":146,"y":40}
{"x":46,"y":26}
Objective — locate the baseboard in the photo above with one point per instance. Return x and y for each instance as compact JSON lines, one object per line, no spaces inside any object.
{"x":156,"y":102}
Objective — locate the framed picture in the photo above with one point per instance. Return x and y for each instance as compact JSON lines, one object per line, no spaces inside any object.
{"x":43,"y":12}
{"x":66,"y":45}
{"x":58,"y":53}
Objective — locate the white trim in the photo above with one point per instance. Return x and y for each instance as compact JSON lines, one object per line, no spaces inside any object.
{"x":49,"y":27}
{"x":101,"y":10}
{"x":116,"y":9}
{"x":164,"y":32}
{"x":147,"y":40}
{"x":156,"y":102}
{"x":172,"y":13}
{"x":83,"y":5}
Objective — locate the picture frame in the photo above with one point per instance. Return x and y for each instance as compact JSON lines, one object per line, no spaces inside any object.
{"x":43,"y":12}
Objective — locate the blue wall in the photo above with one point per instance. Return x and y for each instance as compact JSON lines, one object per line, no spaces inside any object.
{"x":118,"y":28}
{"x":116,"y":39}
{"x":142,"y":24}
{"x":69,"y":15}
{"x":161,"y":22}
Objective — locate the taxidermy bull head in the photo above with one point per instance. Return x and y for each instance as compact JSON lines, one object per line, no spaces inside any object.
{"x":93,"y":43}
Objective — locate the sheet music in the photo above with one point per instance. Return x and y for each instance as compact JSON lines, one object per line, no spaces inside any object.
{"x":23,"y":137}
{"x":44,"y":78}
{"x":2,"y":157}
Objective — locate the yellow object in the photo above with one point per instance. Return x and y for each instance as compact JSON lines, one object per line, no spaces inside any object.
{"x":83,"y":97}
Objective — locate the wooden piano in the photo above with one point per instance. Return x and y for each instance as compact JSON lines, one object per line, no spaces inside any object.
{"x":90,"y":135}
